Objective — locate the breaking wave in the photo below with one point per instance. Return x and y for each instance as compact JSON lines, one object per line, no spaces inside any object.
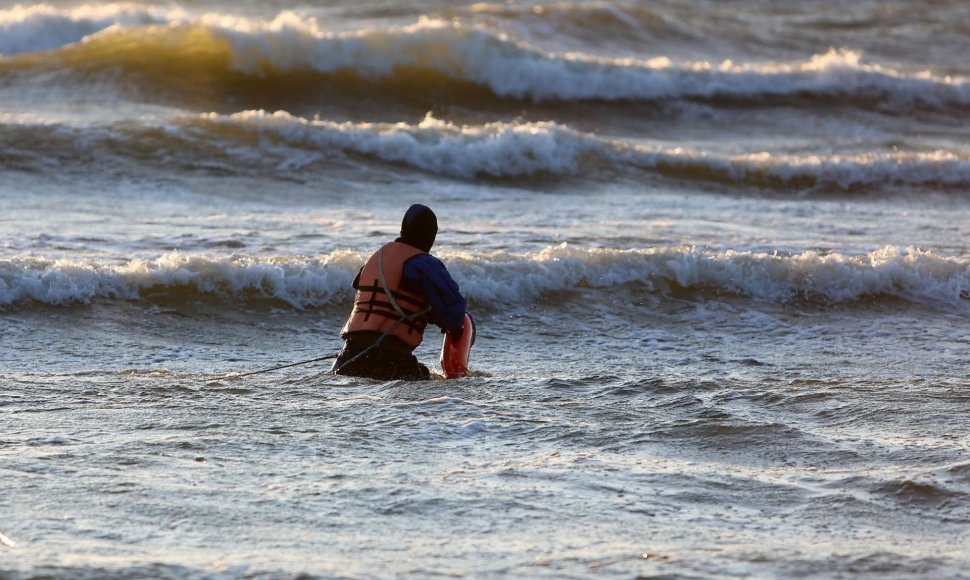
{"x":212,"y":53}
{"x":41,"y":27}
{"x":502,"y":150}
{"x":500,"y":278}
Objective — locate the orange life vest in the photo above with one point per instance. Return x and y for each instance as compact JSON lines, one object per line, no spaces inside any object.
{"x":376,"y":309}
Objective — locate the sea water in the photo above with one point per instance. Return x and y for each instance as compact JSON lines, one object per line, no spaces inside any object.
{"x":718,"y":253}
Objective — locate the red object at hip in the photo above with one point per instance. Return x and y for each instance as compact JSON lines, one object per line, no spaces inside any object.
{"x":455,"y":353}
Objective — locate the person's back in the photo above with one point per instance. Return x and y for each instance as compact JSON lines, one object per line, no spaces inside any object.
{"x":399,"y":291}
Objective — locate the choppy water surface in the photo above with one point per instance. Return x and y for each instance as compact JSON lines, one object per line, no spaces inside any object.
{"x":718,"y":256}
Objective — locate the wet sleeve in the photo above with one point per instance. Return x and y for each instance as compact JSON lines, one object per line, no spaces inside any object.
{"x":430,"y":275}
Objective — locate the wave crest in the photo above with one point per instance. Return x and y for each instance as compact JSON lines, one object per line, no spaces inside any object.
{"x":500,"y":149}
{"x":501,"y":278}
{"x":298,"y":282}
{"x":42,"y":27}
{"x":163,"y":46}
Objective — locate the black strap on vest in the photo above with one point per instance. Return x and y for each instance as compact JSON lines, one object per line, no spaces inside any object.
{"x":391,"y":308}
{"x":390,"y":295}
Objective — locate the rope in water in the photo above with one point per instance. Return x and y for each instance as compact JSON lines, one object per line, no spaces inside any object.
{"x":332,"y":356}
{"x":304,"y":362}
{"x":390,"y":296}
{"x":381,"y":339}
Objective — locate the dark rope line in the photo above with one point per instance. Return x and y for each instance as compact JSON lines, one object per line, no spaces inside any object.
{"x":305,"y":362}
{"x":404,"y":317}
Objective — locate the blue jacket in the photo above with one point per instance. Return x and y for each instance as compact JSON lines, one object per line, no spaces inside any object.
{"x":426,"y":274}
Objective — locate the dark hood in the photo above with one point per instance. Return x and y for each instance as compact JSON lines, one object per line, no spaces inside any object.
{"x":419,"y":227}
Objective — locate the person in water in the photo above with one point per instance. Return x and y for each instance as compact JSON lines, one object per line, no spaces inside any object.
{"x":400,"y":289}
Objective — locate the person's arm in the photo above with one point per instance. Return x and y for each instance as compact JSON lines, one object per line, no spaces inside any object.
{"x":432,"y":278}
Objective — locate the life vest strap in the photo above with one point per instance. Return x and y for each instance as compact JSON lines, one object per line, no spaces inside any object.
{"x":410,"y":320}
{"x":387,"y":291}
{"x":375,"y":288}
{"x":381,"y":294}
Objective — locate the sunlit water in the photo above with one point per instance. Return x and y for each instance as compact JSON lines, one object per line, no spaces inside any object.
{"x":718,"y":257}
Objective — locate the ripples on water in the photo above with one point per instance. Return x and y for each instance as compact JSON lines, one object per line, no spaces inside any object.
{"x":718,"y":253}
{"x":772,"y":465}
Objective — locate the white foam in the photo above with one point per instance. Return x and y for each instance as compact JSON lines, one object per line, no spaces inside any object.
{"x":845,"y":171}
{"x":507,"y":66}
{"x":500,"y":278}
{"x":297,"y":281}
{"x":497,"y":149}
{"x":42,"y":27}
{"x":910,"y":274}
{"x":512,"y":68}
{"x":518,"y":149}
